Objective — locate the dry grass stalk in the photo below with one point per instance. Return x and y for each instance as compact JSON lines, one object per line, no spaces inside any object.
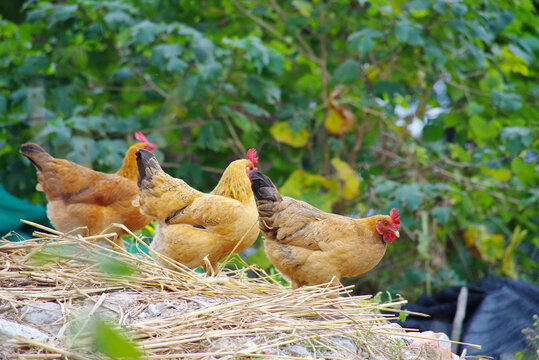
{"x":69,"y":269}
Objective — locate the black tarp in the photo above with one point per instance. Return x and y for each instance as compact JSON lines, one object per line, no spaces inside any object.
{"x":497,"y":310}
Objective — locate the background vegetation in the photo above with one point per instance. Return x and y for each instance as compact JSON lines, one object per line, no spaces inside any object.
{"x":354,"y":106}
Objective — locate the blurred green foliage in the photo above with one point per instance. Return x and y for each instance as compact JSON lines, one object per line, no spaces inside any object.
{"x":113,"y":342}
{"x":355,"y":106}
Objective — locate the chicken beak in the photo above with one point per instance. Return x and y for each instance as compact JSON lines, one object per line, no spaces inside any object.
{"x":396,"y":232}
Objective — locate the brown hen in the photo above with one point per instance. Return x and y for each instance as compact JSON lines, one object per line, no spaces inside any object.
{"x":84,"y":201}
{"x":309,"y":246}
{"x":192,"y":225}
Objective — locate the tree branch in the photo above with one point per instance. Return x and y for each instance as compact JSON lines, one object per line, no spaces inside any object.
{"x":272,"y":30}
{"x":325,"y":81}
{"x":149,"y":82}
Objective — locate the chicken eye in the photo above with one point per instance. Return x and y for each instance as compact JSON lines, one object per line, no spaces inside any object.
{"x":385,"y":222}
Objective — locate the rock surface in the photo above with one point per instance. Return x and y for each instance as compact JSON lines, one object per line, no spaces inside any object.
{"x":131,"y":308}
{"x":10,"y":329}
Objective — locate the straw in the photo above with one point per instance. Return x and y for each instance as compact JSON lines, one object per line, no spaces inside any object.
{"x":256,"y":316}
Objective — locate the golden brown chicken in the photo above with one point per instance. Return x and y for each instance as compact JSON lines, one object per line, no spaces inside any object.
{"x":192,"y":225}
{"x":309,"y":246}
{"x":80,"y":198}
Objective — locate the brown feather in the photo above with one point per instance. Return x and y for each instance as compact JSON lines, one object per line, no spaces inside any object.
{"x":81,"y":197}
{"x":309,"y":246}
{"x":193,"y":225}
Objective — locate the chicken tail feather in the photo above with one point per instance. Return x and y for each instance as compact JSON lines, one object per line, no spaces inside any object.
{"x":148,"y":167}
{"x":263,"y":187}
{"x":35,"y":153}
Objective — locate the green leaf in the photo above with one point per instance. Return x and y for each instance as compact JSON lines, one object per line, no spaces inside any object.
{"x":506,"y":101}
{"x":63,"y":12}
{"x":163,"y":52}
{"x":305,"y":8}
{"x":517,"y":165}
{"x":187,"y":88}
{"x":57,"y":130}
{"x":346,"y":73}
{"x":255,"y":109}
{"x":79,"y":58}
{"x":206,"y":137}
{"x":480,"y":32}
{"x":515,"y":138}
{"x":433,"y":130}
{"x":474,"y":109}
{"x":210,"y":70}
{"x":406,"y":32}
{"x":123,"y":74}
{"x":385,"y":187}
{"x":113,"y":342}
{"x":363,"y":40}
{"x":3,"y":104}
{"x":525,"y":171}
{"x":258,"y":54}
{"x":177,"y":66}
{"x":410,"y":195}
{"x":482,"y":129}
{"x":145,"y":32}
{"x":435,"y":55}
{"x":259,"y":258}
{"x":441,"y":213}
{"x":118,"y":20}
{"x":276,"y":64}
{"x":115,"y":266}
{"x":256,"y":87}
{"x":458,"y":8}
{"x":84,"y":151}
{"x":440,"y":6}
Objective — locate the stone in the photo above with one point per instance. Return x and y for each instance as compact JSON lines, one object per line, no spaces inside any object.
{"x":156,"y":309}
{"x":42,"y":313}
{"x":11,"y":329}
{"x":344,"y":342}
{"x":433,"y":348}
{"x":298,"y":350}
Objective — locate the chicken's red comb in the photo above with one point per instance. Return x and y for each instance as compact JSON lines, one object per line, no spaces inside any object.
{"x":251,"y":156}
{"x":140,"y":137}
{"x":394,"y":213}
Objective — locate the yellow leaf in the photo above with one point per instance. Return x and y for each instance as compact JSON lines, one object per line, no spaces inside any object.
{"x":335,"y":122}
{"x":469,"y":237}
{"x":339,"y":119}
{"x":491,"y":247}
{"x":283,"y":133}
{"x":509,"y":268}
{"x":513,"y":63}
{"x":372,"y":72}
{"x":501,"y":174}
{"x":348,"y":176}
{"x":396,"y":5}
{"x":314,"y":189}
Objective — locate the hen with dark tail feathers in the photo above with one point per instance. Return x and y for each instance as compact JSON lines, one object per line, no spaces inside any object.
{"x":194,"y":228}
{"x":310,"y":246}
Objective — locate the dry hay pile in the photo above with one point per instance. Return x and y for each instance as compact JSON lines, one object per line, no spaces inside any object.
{"x":61,"y":284}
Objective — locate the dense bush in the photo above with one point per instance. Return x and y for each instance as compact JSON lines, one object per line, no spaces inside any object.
{"x":354,"y":106}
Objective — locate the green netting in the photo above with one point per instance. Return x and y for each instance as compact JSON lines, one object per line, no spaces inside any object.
{"x":12,"y":209}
